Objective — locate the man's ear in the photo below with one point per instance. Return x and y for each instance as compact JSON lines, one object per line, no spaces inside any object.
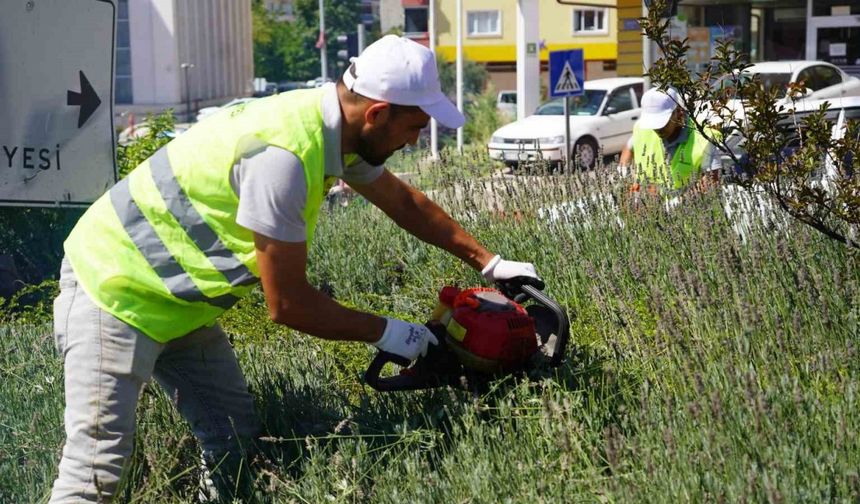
{"x":377,"y":113}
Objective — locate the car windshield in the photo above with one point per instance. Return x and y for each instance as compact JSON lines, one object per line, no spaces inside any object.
{"x":779,"y":81}
{"x":584,"y":105}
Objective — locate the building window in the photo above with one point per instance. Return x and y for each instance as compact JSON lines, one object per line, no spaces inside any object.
{"x":122,"y":84}
{"x":415,"y":20}
{"x":826,"y":8}
{"x":590,"y":21}
{"x":484,"y":23}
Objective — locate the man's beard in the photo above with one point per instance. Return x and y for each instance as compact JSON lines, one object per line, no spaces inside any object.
{"x":367,"y":147}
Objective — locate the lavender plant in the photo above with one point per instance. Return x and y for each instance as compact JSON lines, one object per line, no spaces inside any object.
{"x":709,"y":363}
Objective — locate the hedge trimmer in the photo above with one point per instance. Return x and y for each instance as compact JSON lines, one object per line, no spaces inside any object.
{"x":483,"y":333}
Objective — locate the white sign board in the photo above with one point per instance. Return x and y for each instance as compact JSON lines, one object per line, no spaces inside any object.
{"x":56,"y":94}
{"x":840,"y":49}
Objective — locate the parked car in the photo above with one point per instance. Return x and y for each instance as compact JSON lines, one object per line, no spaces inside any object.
{"x":318,"y":82}
{"x":269,"y":89}
{"x":838,"y":112}
{"x":506,"y":103}
{"x":601,"y":118}
{"x":821,"y":79}
{"x":140,"y":130}
{"x":285,"y":86}
{"x":207,"y":111}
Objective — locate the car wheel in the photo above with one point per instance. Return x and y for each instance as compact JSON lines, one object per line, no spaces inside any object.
{"x":585,"y":153}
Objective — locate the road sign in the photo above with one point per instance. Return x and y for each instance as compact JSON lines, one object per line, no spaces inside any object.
{"x":566,"y":73}
{"x":56,"y":94}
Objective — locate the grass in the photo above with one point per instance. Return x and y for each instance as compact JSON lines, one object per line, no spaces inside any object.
{"x":706,"y":366}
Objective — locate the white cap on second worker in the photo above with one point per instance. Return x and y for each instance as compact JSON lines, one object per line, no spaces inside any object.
{"x":398,"y":70}
{"x":657,"y":107}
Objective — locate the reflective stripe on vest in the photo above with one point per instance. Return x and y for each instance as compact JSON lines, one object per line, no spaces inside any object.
{"x":153,"y":249}
{"x":162,"y":250}
{"x":649,"y":155}
{"x":183,"y":211}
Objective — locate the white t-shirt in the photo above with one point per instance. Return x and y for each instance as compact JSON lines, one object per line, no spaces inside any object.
{"x":710,"y":161}
{"x":271,"y":183}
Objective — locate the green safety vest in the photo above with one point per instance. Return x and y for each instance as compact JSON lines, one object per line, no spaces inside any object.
{"x":650,"y":157}
{"x":162,"y":250}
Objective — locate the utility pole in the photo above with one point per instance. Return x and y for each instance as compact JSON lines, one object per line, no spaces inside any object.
{"x":646,"y":53}
{"x":323,"y":58}
{"x":185,"y":68}
{"x":434,"y":126}
{"x":460,"y":71}
{"x":528,"y":58}
{"x":360,"y":29}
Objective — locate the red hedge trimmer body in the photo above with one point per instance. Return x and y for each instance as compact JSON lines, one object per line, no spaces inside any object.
{"x":483,"y":333}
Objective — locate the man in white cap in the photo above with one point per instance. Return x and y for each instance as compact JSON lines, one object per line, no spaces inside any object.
{"x":230,"y":204}
{"x":666,"y":149}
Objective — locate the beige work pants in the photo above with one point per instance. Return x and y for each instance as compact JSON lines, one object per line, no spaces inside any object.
{"x":106,"y":364}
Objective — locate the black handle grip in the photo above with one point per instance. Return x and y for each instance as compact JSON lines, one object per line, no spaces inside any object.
{"x":371,"y":376}
{"x":513,"y":287}
{"x":563,"y":330}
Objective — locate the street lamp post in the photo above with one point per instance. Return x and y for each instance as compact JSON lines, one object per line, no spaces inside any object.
{"x":434,"y":128}
{"x":459,"y":32}
{"x":323,"y":55}
{"x":185,"y":68}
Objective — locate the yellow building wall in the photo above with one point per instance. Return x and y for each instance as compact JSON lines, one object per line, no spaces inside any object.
{"x":555,"y":28}
{"x":629,"y":41}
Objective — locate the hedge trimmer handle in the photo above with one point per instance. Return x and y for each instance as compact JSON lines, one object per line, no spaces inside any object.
{"x":563,"y":328}
{"x":523,"y":288}
{"x":371,"y":376}
{"x":513,"y":287}
{"x":434,"y":369}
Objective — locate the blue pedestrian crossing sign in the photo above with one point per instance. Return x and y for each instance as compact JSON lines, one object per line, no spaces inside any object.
{"x":566,"y":73}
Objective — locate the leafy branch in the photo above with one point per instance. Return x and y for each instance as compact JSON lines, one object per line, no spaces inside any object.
{"x":793,"y":157}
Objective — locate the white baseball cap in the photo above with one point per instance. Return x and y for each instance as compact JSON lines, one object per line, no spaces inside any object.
{"x":398,"y":70}
{"x":657,"y":107}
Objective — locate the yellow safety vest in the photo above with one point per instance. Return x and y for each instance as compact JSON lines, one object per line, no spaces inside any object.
{"x":650,"y":157}
{"x":161,"y":250}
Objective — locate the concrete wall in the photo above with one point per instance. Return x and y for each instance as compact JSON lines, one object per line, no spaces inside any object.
{"x":154,"y":52}
{"x":213,"y":35}
{"x":390,"y":15}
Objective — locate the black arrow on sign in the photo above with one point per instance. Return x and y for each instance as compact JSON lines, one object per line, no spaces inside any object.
{"x":87,"y":99}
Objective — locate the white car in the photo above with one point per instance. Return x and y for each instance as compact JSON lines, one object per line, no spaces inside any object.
{"x":141,"y":130}
{"x":506,"y":103}
{"x":207,"y":111}
{"x":821,"y":79}
{"x":601,"y":118}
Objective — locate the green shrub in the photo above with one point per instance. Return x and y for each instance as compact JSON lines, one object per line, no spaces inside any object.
{"x":158,"y":130}
{"x":483,"y":117}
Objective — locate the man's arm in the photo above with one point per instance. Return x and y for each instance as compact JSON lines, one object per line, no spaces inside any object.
{"x":417,"y":214}
{"x":292,"y":301}
{"x":711,"y":166}
{"x":625,"y":161}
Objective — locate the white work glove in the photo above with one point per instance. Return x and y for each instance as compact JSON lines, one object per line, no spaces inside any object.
{"x":405,"y":339}
{"x":499,"y":269}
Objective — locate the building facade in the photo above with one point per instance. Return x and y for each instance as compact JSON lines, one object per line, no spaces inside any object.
{"x":173,"y":54}
{"x":826,"y":30}
{"x":490,"y":32}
